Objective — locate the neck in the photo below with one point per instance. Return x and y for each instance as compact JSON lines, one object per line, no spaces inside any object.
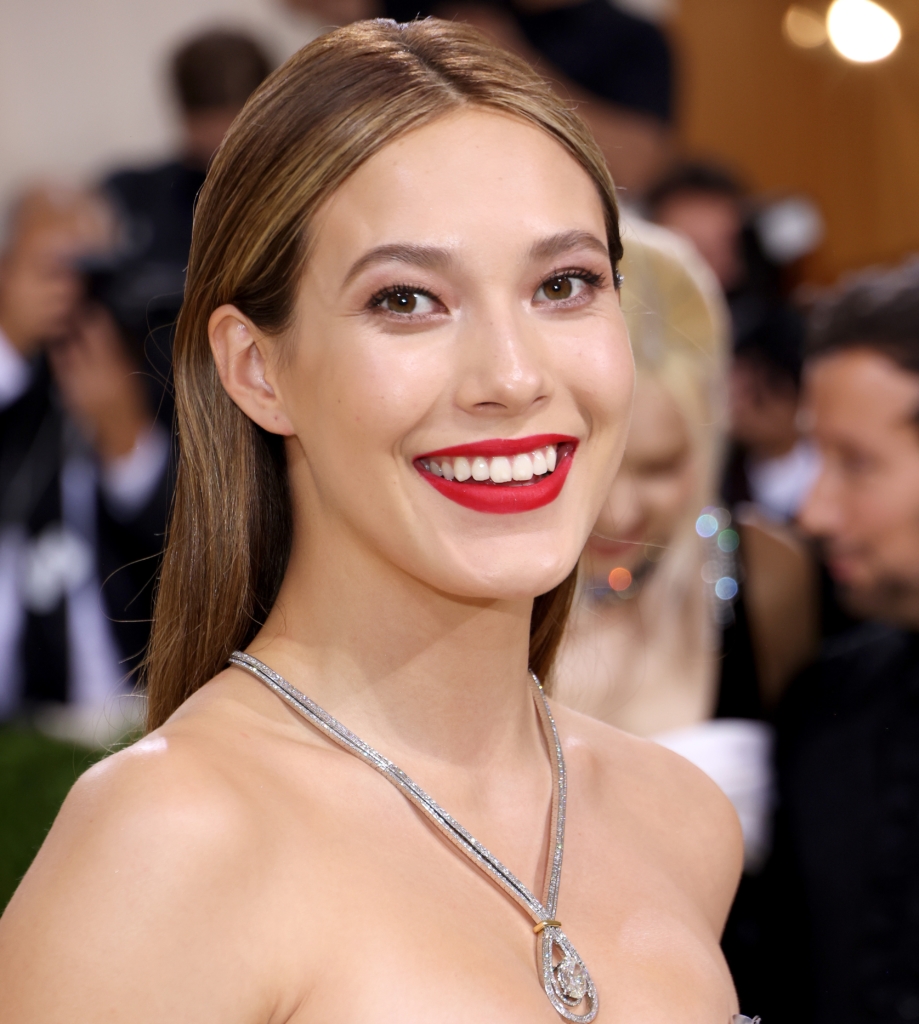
{"x":411,"y":670}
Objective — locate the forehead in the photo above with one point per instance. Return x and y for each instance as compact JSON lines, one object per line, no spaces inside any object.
{"x":860,"y":392}
{"x":473,"y":172}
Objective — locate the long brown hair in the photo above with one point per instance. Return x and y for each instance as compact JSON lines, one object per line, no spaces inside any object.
{"x":308,"y":127}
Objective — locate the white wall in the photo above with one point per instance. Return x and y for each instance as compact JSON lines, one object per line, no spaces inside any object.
{"x":82,"y":82}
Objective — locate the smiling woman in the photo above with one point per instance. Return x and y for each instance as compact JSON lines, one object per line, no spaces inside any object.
{"x":401,"y":318}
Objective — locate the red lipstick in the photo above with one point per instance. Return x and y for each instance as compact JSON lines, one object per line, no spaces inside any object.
{"x":507,"y":446}
{"x":513,"y":496}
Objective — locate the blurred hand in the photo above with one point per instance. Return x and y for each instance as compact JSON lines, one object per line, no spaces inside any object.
{"x":100,"y":385}
{"x":39,"y":289}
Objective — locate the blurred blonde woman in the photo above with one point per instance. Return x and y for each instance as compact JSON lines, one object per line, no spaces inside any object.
{"x":688,"y":621}
{"x":684,"y":615}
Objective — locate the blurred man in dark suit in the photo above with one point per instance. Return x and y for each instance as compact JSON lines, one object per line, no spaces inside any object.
{"x":846,"y":865}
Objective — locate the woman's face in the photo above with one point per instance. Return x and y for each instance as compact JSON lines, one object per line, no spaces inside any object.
{"x":458,"y":321}
{"x":651,"y":493}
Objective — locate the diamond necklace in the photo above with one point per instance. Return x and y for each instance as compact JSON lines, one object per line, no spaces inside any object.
{"x":567,"y":982}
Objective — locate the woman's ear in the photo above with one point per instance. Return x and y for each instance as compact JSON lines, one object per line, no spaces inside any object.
{"x":239,"y":349}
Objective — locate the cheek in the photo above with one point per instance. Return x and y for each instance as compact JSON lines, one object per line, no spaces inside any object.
{"x":887,"y":512}
{"x":664,"y":502}
{"x":599,"y":371}
{"x":671,"y":497}
{"x":367,"y":396}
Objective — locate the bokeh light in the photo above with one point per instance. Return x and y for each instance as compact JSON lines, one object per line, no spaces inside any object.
{"x":862,"y":31}
{"x":726,"y":588}
{"x":707,"y":525}
{"x":620,"y":579}
{"x":804,"y":27}
{"x":728,"y":540}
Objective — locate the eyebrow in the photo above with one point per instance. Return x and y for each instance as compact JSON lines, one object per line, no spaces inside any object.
{"x":430,"y":257}
{"x":565,"y":241}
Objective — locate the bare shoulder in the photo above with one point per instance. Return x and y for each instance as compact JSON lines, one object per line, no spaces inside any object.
{"x":138,"y":892}
{"x":165,"y":785}
{"x":774,"y":549}
{"x":684,"y":818}
{"x":173,"y":785}
{"x":780,"y":592}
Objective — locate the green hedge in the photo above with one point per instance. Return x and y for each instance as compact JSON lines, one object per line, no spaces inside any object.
{"x":36,"y":773}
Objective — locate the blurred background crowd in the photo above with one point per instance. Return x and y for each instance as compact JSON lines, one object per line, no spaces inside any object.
{"x":750,"y":594}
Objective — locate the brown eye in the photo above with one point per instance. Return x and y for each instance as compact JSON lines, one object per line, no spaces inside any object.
{"x":558,"y":288}
{"x":406,"y":301}
{"x":401,"y":302}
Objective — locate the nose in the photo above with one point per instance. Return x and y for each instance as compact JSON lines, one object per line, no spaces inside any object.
{"x":503,"y":369}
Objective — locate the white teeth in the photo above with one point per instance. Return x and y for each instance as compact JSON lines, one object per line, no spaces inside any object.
{"x":522,"y":468}
{"x":480,"y":469}
{"x":500,"y":470}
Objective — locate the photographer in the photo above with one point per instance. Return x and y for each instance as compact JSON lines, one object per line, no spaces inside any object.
{"x":83,"y":469}
{"x":212,"y":75}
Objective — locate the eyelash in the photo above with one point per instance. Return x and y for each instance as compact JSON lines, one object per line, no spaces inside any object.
{"x":392,"y":290}
{"x":589,"y":277}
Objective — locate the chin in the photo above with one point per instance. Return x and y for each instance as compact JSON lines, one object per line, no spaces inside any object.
{"x":887,"y":600}
{"x":511,"y":574}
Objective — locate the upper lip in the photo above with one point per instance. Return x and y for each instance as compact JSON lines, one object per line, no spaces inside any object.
{"x":501,"y":446}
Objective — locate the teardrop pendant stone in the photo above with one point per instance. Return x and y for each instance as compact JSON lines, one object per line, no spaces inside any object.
{"x":572,"y":979}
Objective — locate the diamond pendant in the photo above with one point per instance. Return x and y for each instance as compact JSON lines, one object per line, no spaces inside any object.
{"x":571,"y":979}
{"x":568,"y":982}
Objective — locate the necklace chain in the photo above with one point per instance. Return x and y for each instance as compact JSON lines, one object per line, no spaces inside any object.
{"x":566,"y":979}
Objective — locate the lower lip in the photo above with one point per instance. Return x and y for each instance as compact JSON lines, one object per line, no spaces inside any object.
{"x":505,"y":498}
